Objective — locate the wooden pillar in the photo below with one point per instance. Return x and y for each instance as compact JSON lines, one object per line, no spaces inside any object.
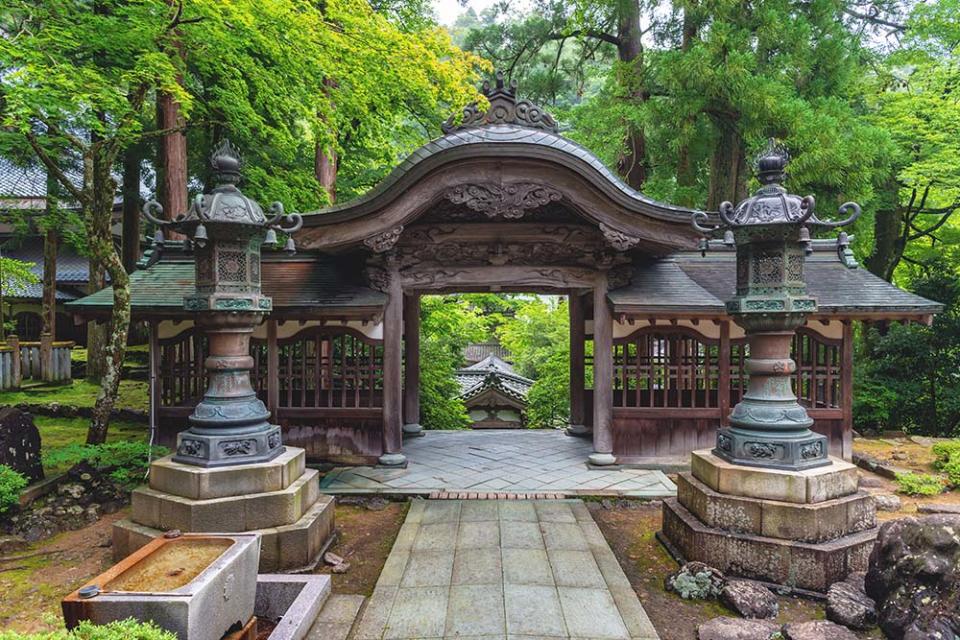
{"x":273,"y":369}
{"x":13,"y":341}
{"x":846,"y":388}
{"x":723,"y":379}
{"x":602,"y":376}
{"x":392,"y":373}
{"x":575,"y":306}
{"x":411,"y":371}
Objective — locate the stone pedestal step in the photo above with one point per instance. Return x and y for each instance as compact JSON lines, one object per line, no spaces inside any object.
{"x":803,"y":565}
{"x":288,"y":548}
{"x":803,"y":487}
{"x":817,"y":522}
{"x":160,"y":510}
{"x":203,"y":483}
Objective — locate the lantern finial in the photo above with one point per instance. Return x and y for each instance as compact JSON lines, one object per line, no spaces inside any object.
{"x":226,"y":162}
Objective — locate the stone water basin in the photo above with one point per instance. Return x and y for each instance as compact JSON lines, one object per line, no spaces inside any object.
{"x":196,"y":585}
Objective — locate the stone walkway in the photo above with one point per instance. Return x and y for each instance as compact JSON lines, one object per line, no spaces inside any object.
{"x":499,"y":569}
{"x":511,"y":461}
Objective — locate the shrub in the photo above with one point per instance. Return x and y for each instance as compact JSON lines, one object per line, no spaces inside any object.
{"x":919,"y":484}
{"x":945,"y":451}
{"x":126,"y":461}
{"x":128,"y":629}
{"x":11,"y":484}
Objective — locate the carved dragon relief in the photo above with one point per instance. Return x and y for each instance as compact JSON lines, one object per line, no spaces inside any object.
{"x":510,"y":201}
{"x":618,"y":239}
{"x":383,"y":242}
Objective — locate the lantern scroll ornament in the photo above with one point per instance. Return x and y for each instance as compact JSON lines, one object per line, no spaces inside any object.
{"x":771,"y":233}
{"x":226,"y":229}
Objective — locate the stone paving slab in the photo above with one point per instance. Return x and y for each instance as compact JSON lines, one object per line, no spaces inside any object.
{"x":509,"y":569}
{"x":499,"y":461}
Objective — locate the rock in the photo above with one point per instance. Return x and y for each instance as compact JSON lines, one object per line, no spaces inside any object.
{"x":332,"y":559}
{"x":20,"y":443}
{"x":695,"y":581}
{"x":817,"y":630}
{"x":938,"y":508}
{"x":12,"y":544}
{"x":377,"y":504}
{"x":900,"y":455}
{"x":914,"y":577}
{"x":749,"y":599}
{"x":848,"y":603}
{"x":736,"y":629}
{"x":886,"y":502}
{"x":922,"y":441}
{"x":871,"y":482}
{"x":343,"y":567}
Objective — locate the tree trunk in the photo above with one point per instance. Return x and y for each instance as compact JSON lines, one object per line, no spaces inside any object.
{"x":325,"y":167}
{"x":97,"y":221}
{"x":686,"y":175}
{"x":633,"y":163}
{"x":171,"y":160}
{"x":131,"y":208}
{"x":887,"y":236}
{"x":728,"y":165}
{"x":51,"y":241}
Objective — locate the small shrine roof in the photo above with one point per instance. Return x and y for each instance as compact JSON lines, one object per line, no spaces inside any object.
{"x":492,"y":373}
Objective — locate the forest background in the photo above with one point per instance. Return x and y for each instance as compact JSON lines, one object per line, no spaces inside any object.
{"x":117,"y":97}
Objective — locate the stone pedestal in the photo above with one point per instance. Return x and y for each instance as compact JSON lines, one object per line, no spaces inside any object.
{"x":279,"y":499}
{"x":804,"y":529}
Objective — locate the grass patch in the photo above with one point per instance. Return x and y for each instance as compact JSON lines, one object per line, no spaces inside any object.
{"x":78,"y":393}
{"x":57,"y":433}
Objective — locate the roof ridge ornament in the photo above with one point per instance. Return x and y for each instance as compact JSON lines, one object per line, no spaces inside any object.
{"x":504,"y":109}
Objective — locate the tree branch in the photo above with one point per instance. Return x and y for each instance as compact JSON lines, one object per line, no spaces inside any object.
{"x":586,"y":33}
{"x":873,"y":17}
{"x":52,"y":166}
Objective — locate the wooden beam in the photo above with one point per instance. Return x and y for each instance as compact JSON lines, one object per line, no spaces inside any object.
{"x":723,"y":382}
{"x":273,"y":369}
{"x":577,"y":337}
{"x":846,"y":388}
{"x":393,"y":367}
{"x":602,"y":375}
{"x":411,"y":370}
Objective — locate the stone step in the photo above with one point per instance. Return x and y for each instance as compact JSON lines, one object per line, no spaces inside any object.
{"x":835,"y":480}
{"x":164,"y":511}
{"x":817,"y":522}
{"x":202,"y":483}
{"x":289,"y":548}
{"x":337,"y":617}
{"x":802,"y":565}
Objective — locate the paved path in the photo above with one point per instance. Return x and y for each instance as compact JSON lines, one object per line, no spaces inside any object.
{"x":499,"y":569}
{"x":512,"y":461}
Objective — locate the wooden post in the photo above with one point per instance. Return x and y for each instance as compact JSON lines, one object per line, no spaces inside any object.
{"x":411,"y":371}
{"x":723,"y":380}
{"x":602,"y":377}
{"x":846,"y":388}
{"x":575,"y":305}
{"x":273,"y":369}
{"x":13,"y":341}
{"x":392,"y":373}
{"x":154,"y":383}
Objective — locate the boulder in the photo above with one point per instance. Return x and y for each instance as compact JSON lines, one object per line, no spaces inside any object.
{"x":886,"y":502}
{"x":914,"y":577}
{"x":695,"y":581}
{"x":736,"y":629}
{"x":848,"y":603}
{"x":20,"y":443}
{"x":938,"y":508}
{"x":817,"y":630}
{"x":749,"y":599}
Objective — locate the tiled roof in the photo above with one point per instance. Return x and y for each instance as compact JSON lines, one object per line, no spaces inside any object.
{"x":690,"y":282}
{"x":492,"y":372}
{"x":72,"y":268}
{"x":293,"y":283}
{"x":533,"y":141}
{"x":22,"y":182}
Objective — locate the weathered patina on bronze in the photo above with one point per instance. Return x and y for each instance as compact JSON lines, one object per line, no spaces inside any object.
{"x":230,"y":425}
{"x":771,"y":231}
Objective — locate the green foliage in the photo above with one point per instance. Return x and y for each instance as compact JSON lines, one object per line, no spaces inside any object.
{"x":447,"y":325}
{"x":11,"y":484}
{"x":538,"y":339}
{"x":906,"y":376}
{"x":128,"y":629}
{"x":126,"y":461}
{"x":919,"y":484}
{"x":948,"y":461}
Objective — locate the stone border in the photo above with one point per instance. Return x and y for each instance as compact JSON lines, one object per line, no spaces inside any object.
{"x":295,"y":600}
{"x":57,"y":410}
{"x":869,"y":463}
